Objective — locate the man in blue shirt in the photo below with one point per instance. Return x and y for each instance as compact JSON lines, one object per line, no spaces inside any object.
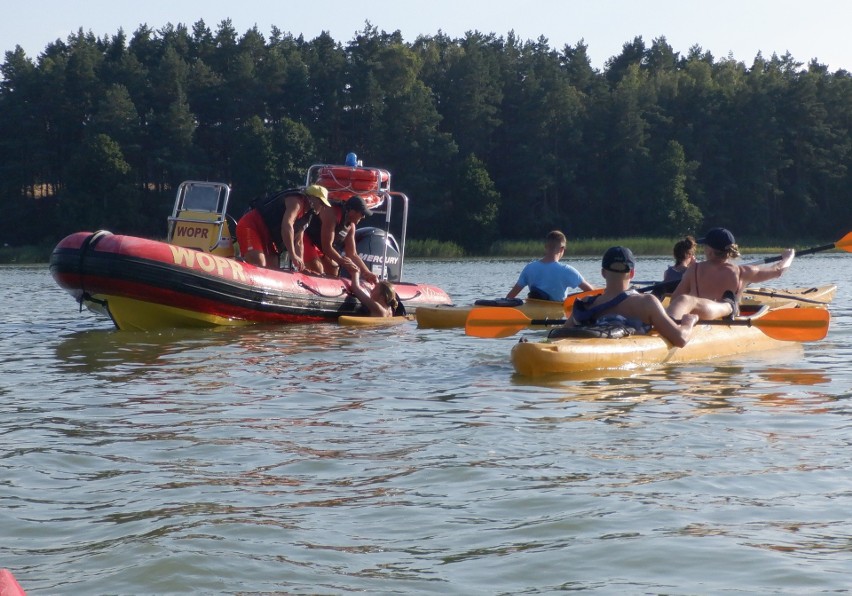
{"x":547,"y":278}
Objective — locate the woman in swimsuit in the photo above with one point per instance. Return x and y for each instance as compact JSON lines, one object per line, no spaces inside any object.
{"x":712,"y":289}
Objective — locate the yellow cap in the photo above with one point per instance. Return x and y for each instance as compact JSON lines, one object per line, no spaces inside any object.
{"x":320,"y":192}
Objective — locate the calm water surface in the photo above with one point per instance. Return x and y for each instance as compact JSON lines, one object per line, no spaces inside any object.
{"x":327,"y":460}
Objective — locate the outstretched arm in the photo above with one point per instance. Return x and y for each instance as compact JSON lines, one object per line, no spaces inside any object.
{"x":516,"y":289}
{"x":328,"y":217}
{"x":586,"y":286}
{"x":355,"y":260}
{"x":759,"y":273}
{"x":292,"y":238}
{"x":361,"y":294}
{"x":648,"y":308}
{"x":677,"y":332}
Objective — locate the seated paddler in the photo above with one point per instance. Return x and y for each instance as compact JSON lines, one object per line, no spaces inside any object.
{"x":619,"y":305}
{"x":547,"y":278}
{"x":712,"y":288}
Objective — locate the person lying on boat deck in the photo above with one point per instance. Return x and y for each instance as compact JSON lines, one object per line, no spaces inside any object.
{"x":329,"y":241}
{"x":277,"y":224}
{"x":547,"y":278}
{"x":619,"y":304}
{"x":712,"y":288}
{"x":381,"y":301}
{"x":684,"y":255}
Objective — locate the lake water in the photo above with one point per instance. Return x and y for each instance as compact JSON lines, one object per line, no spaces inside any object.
{"x":326,"y":460}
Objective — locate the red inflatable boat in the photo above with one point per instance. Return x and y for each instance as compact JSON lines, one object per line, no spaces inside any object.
{"x":195,"y":278}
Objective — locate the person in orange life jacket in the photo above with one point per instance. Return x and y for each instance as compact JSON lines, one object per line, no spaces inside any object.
{"x":277,"y":224}
{"x":547,"y":278}
{"x":712,"y":288}
{"x":620,"y":304}
{"x":334,"y":234}
{"x":381,"y":301}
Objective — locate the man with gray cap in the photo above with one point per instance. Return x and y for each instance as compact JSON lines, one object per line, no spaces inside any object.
{"x":712,"y":288}
{"x":618,"y":303}
{"x":330,"y":241}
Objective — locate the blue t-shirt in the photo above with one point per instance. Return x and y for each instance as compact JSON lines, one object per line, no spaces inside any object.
{"x":554,"y":279}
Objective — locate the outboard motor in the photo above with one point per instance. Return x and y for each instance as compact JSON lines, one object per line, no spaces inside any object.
{"x":370,"y":243}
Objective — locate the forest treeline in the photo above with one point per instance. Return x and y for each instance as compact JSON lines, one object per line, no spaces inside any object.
{"x":491,"y":137}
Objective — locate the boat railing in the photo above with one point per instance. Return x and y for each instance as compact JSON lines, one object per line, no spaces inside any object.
{"x":386,"y":210}
{"x":374,"y":186}
{"x":199,"y":218}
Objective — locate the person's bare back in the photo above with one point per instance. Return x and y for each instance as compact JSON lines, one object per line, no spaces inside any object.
{"x":712,"y":289}
{"x":711,"y":279}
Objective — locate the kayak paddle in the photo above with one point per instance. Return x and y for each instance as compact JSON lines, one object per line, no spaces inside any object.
{"x":785,"y":296}
{"x":666,"y":286}
{"x":844,"y":243}
{"x":787,"y":324}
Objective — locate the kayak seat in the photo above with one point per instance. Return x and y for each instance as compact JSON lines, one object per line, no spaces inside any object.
{"x":600,"y":331}
{"x":507,"y":302}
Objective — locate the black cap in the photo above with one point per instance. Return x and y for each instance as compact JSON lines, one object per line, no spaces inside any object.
{"x":619,"y":260}
{"x":356,"y":203}
{"x":718,"y":239}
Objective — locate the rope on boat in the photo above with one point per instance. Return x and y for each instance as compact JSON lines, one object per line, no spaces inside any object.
{"x":89,"y":244}
{"x":318,"y":293}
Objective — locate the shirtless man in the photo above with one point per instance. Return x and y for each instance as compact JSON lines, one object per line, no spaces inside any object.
{"x":642,"y":311}
{"x":712,"y":289}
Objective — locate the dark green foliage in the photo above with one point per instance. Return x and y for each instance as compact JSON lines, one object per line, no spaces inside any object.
{"x":493,"y":138}
{"x":471,"y":216}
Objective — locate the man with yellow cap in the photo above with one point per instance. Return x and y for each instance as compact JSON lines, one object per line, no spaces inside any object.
{"x":278,"y":224}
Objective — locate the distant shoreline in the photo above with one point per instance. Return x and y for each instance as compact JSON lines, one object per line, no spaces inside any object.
{"x":433,"y":249}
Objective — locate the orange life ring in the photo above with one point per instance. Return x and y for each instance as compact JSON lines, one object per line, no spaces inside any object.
{"x":344,"y":181}
{"x":355,"y":180}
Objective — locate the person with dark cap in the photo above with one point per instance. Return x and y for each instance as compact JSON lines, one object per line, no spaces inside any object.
{"x":712,"y":288}
{"x":619,"y":304}
{"x":330,"y":242}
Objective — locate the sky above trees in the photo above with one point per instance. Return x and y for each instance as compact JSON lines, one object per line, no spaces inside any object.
{"x":807,"y":30}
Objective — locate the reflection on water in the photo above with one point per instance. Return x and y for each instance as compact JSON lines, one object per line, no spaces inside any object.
{"x":320,"y":459}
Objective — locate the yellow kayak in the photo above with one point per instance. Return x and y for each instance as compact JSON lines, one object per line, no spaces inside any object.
{"x":817,"y":296}
{"x":450,"y":316}
{"x":367,"y":321}
{"x":767,"y":329}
